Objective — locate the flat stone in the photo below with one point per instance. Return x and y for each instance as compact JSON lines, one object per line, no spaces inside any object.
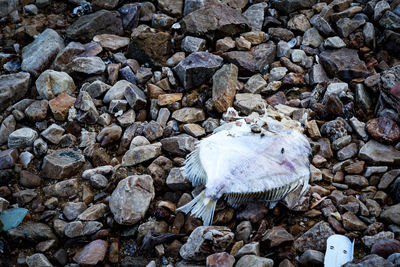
{"x":255,"y":15}
{"x":225,"y":84}
{"x":383,"y":130}
{"x":31,"y":231}
{"x":352,"y":223}
{"x":53,"y":133}
{"x":62,"y":163}
{"x":194,"y":130}
{"x":141,"y":154}
{"x":312,"y":38}
{"x":386,"y":247}
{"x":215,"y":19}
{"x":177,"y":181}
{"x":205,"y":240}
{"x":135,"y":96}
{"x":63,"y":189}
{"x":388,"y":178}
{"x":38,"y":260}
{"x":346,"y":26}
{"x":92,"y":254}
{"x":288,"y":6}
{"x":347,"y":152}
{"x":131,"y":199}
{"x":221,"y":259}
{"x":334,"y":42}
{"x":52,"y":83}
{"x":179,"y":145}
{"x":93,"y":213}
{"x":252,"y":260}
{"x":371,"y":240}
{"x":96,"y":88}
{"x":65,"y":56}
{"x":312,"y":257}
{"x":37,"y":111}
{"x":13,"y":87}
{"x":277,"y":236}
{"x":165,"y":99}
{"x":344,"y":63}
{"x":38,"y":55}
{"x":378,"y":153}
{"x":87,"y":26}
{"x":188,"y":115}
{"x":192,"y":44}
{"x":255,"y":84}
{"x":60,"y":106}
{"x":391,"y":214}
{"x":87,"y":65}
{"x":247,"y":103}
{"x":73,"y":229}
{"x":111,"y":41}
{"x":73,"y":209}
{"x":197,"y":69}
{"x":315,"y":238}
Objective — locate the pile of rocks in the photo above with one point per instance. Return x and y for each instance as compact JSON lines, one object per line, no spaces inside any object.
{"x":100,"y":104}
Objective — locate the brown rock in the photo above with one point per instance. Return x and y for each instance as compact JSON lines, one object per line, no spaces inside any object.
{"x":352,"y":222}
{"x":62,"y":163}
{"x":61,"y":105}
{"x":225,"y":84}
{"x":383,"y":129}
{"x":111,"y":41}
{"x":222,"y":259}
{"x":8,"y":158}
{"x":277,"y":236}
{"x":92,"y":254}
{"x":165,"y":99}
{"x":315,"y":238}
{"x":386,"y":247}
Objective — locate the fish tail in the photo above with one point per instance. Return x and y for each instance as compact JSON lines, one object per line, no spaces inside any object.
{"x":201,"y":207}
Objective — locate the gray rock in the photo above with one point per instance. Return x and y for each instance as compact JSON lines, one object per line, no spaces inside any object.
{"x":152,"y":131}
{"x":252,"y":248}
{"x":98,"y":181}
{"x":6,"y":128}
{"x":38,"y":260}
{"x":37,"y":111}
{"x":53,"y":133}
{"x":52,"y":83}
{"x":177,"y":181}
{"x":390,"y":21}
{"x":87,"y":26}
{"x":131,"y":199}
{"x":141,"y":154}
{"x":380,"y":8}
{"x":192,"y":5}
{"x":117,"y":91}
{"x":188,"y":115}
{"x":197,"y":69}
{"x":91,"y":227}
{"x":377,"y":153}
{"x":225,"y":85}
{"x":347,"y":152}
{"x":315,"y":238}
{"x":334,"y":42}
{"x":7,"y":6}
{"x":391,"y":214}
{"x":163,"y":116}
{"x":94,"y":212}
{"x":65,"y":56}
{"x":322,"y":25}
{"x":135,"y":97}
{"x":288,"y":6}
{"x":205,"y":240}
{"x":369,"y":34}
{"x":312,"y":38}
{"x":370,"y":260}
{"x":247,"y":103}
{"x":370,"y":240}
{"x":388,"y":178}
{"x":255,"y":84}
{"x":179,"y":145}
{"x":255,"y":15}
{"x":21,"y":138}
{"x":341,"y":142}
{"x":73,"y":229}
{"x":363,"y":98}
{"x":256,"y":261}
{"x":31,"y":231}
{"x":63,"y":189}
{"x":96,"y":88}
{"x":62,"y":163}
{"x":73,"y":209}
{"x":86,"y":110}
{"x":346,"y":26}
{"x":283,"y":49}
{"x":87,"y":65}
{"x":39,"y":147}
{"x":318,"y":74}
{"x":278,"y":73}
{"x":312,"y":258}
{"x":13,"y":87}
{"x":192,"y":44}
{"x":38,"y":55}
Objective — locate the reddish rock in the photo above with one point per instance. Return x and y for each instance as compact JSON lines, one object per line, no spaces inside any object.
{"x":386,"y":247}
{"x":8,"y":158}
{"x":60,"y":106}
{"x":277,"y":236}
{"x":222,"y":259}
{"x":92,"y":254}
{"x":383,"y":129}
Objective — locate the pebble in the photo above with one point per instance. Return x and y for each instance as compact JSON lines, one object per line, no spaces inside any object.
{"x":92,"y":253}
{"x":22,"y":138}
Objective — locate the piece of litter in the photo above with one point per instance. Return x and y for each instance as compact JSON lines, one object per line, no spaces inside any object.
{"x":339,"y":250}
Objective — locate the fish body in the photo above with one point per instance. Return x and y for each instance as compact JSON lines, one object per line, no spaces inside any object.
{"x":241,"y":164}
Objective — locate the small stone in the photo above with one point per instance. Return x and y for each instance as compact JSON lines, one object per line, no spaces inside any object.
{"x":221,"y":259}
{"x":225,"y":85}
{"x":141,"y":154}
{"x":52,"y":83}
{"x":92,"y":254}
{"x":225,"y":44}
{"x":21,"y":138}
{"x":386,"y":247}
{"x":299,"y":23}
{"x":352,"y":222}
{"x":135,"y":96}
{"x":165,"y":99}
{"x":383,"y":130}
{"x":176,"y":181}
{"x":277,"y":236}
{"x":93,"y":213}
{"x":188,"y":115}
{"x":62,"y":163}
{"x":255,"y":84}
{"x":346,"y":26}
{"x":378,"y":153}
{"x":60,"y":106}
{"x":347,"y":152}
{"x":87,"y":65}
{"x":109,"y":135}
{"x":315,"y":238}
{"x":53,"y":133}
{"x":194,"y":130}
{"x":334,"y":42}
{"x":312,"y":257}
{"x":247,"y":103}
{"x":38,"y":260}
{"x":193,"y":44}
{"x":37,"y":111}
{"x":73,"y":229}
{"x":242,"y":44}
{"x":111,"y":41}
{"x":131,"y":199}
{"x":312,"y":38}
{"x":179,"y":145}
{"x":252,"y":260}
{"x":72,"y":210}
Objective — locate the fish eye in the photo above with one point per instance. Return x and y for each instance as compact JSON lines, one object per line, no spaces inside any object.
{"x":345,"y":251}
{"x":331,"y":247}
{"x":283,"y":150}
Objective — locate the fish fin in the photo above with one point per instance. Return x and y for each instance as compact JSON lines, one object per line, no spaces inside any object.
{"x":272,"y":204}
{"x":194,"y":170}
{"x":201,"y":207}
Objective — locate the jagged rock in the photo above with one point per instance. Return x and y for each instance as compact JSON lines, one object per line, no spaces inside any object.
{"x":141,"y":154}
{"x":62,"y":163}
{"x":315,"y":238}
{"x":22,"y":138}
{"x":378,"y":153}
{"x":13,"y":87}
{"x":179,"y":145}
{"x":52,"y":83}
{"x":225,"y":84}
{"x":288,"y":6}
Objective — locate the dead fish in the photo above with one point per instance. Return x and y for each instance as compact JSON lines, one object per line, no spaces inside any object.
{"x":242,"y":165}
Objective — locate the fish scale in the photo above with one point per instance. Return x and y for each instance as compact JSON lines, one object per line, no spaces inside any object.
{"x":240,"y":165}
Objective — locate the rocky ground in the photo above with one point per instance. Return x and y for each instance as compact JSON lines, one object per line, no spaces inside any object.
{"x":100,"y":103}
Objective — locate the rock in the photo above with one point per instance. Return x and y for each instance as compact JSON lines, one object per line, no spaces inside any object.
{"x":92,"y":254}
{"x":388,"y":178}
{"x":255,"y":84}
{"x":192,"y":44}
{"x":62,"y":163}
{"x":225,"y":84}
{"x":252,"y":260}
{"x":31,"y":231}
{"x":63,"y":189}
{"x":154,"y":227}
{"x":152,"y":131}
{"x":312,"y":38}
{"x":107,"y":4}
{"x":225,"y":44}
{"x":346,"y":26}
{"x":311,"y":258}
{"x":150,"y":46}
{"x":288,"y":6}
{"x":135,"y":96}
{"x":194,"y":129}
{"x":221,"y":259}
{"x":197,"y":69}
{"x":87,"y":26}
{"x":53,"y":133}
{"x":179,"y":145}
{"x":347,"y":152}
{"x":343,"y":63}
{"x":109,"y":134}
{"x":111,"y":41}
{"x":255,"y":15}
{"x":93,"y":213}
{"x":391,"y":214}
{"x":13,"y":87}
{"x":370,"y":260}
{"x":380,"y":8}
{"x":60,"y":106}
{"x":73,"y":209}
{"x":318,"y":74}
{"x":205,"y":240}
{"x":86,"y":110}
{"x":315,"y":238}
{"x":352,"y":223}
{"x":243,"y":231}
{"x":383,"y":130}
{"x":87,"y":65}
{"x":7,"y":7}
{"x":96,"y":88}
{"x":378,"y":153}
{"x":386,"y":247}
{"x":73,"y":229}
{"x":37,"y":111}
{"x":38,"y":55}
{"x":174,"y":7}
{"x":165,"y":99}
{"x":177,"y":181}
{"x":21,"y":138}
{"x":188,"y":115}
{"x":369,"y":241}
{"x":299,"y":23}
{"x":38,"y":260}
{"x":247,"y":103}
{"x":390,"y":21}
{"x":52,"y":83}
{"x":277,"y":236}
{"x":131,"y":199}
{"x":334,"y":42}
{"x":141,"y":154}
{"x":252,"y":248}
{"x":213,"y":20}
